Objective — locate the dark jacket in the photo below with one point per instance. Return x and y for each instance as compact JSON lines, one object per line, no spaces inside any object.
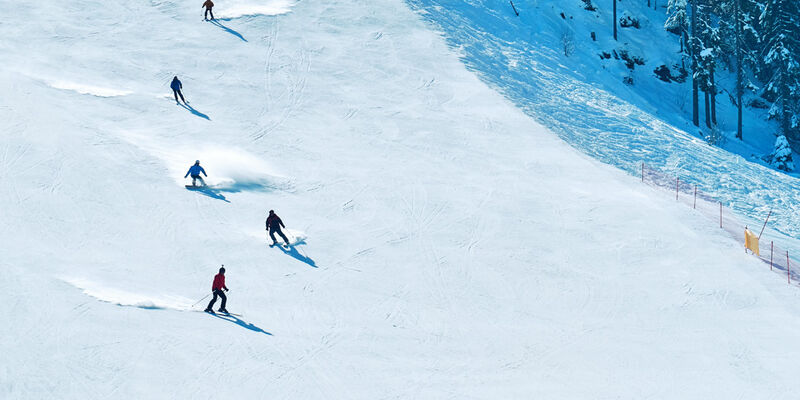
{"x":176,"y":84}
{"x":274,"y":222}
{"x":208,"y":4}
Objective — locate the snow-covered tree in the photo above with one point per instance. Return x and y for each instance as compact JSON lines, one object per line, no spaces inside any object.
{"x":678,"y":22}
{"x":781,"y":157}
{"x":780,"y":22}
{"x":708,"y":37}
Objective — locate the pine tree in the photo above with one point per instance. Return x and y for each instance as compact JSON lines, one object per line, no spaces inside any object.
{"x":711,"y":45}
{"x":694,"y":51}
{"x":781,"y":38}
{"x":781,"y":157}
{"x":678,"y":22}
{"x":738,"y":27}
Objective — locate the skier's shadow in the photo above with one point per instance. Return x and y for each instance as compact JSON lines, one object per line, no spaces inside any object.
{"x":195,"y":112}
{"x":229,"y":30}
{"x":208,"y":192}
{"x":240,"y":322}
{"x":294,"y":253}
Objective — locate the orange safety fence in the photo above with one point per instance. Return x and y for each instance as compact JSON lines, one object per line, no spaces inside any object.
{"x":756,"y":236}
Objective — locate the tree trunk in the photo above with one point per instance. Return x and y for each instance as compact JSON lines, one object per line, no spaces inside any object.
{"x":707,"y":109}
{"x":739,"y":69}
{"x":615,"y":19}
{"x":693,"y":50}
{"x":713,"y":98}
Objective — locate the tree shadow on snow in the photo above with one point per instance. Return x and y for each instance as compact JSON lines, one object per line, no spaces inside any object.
{"x":240,"y":322}
{"x":209,"y":192}
{"x":229,"y":30}
{"x":195,"y":112}
{"x":293,"y":252}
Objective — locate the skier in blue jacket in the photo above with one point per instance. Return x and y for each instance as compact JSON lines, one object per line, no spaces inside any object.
{"x":176,"y":87}
{"x":195,"y":171}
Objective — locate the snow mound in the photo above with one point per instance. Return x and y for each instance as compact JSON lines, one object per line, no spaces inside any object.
{"x":296,"y":237}
{"x":237,"y":9}
{"x":129,"y":299}
{"x":88,"y":89}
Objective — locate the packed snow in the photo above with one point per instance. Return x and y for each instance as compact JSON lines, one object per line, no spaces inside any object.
{"x":446,"y":245}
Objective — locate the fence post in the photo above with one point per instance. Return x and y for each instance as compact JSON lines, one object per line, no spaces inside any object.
{"x":677,"y":185}
{"x":745,"y":239}
{"x":771,"y":250}
{"x":765,"y":224}
{"x":695,"y":198}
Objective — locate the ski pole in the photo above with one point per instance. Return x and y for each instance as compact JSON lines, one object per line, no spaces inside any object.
{"x":198,"y":301}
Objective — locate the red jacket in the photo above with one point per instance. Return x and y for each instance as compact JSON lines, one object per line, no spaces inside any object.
{"x":219,"y":282}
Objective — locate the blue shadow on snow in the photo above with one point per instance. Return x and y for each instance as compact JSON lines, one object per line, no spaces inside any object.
{"x":240,"y":322}
{"x":246,"y":186}
{"x":229,"y":30}
{"x":193,"y":111}
{"x":209,"y":192}
{"x":294,"y":253}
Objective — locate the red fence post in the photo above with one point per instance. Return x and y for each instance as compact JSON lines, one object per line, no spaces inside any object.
{"x":771,"y":249}
{"x":695,"y":198}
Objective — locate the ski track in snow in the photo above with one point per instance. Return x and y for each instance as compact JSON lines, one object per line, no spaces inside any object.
{"x":90,"y":90}
{"x":128,"y":299}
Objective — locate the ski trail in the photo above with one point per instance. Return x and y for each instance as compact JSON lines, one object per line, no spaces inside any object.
{"x":126,"y":298}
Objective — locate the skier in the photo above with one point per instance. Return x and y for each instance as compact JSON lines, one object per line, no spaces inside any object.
{"x":195,"y":171}
{"x":176,"y":87}
{"x":274,"y":224}
{"x":216,"y":289}
{"x":208,"y":5}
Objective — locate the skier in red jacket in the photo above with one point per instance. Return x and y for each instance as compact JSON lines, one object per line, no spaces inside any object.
{"x":216,"y":289}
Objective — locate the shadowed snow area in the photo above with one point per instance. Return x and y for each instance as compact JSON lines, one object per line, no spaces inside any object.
{"x":446,"y":244}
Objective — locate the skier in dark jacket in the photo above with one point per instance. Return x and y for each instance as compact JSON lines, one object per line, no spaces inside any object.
{"x":274,"y":224}
{"x":195,"y":171}
{"x":216,"y":289}
{"x":176,"y":87}
{"x":208,"y":5}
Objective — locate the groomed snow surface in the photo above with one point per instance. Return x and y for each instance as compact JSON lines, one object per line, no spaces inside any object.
{"x":447,"y":245}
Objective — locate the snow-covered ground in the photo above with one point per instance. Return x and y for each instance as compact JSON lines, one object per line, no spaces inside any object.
{"x":448,"y":246}
{"x":582,"y":98}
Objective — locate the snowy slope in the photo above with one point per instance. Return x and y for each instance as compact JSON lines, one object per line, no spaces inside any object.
{"x":583,"y":100}
{"x":454,"y":248}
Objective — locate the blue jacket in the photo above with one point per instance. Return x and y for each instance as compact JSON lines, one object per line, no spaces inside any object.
{"x":195,"y":170}
{"x":176,"y":84}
